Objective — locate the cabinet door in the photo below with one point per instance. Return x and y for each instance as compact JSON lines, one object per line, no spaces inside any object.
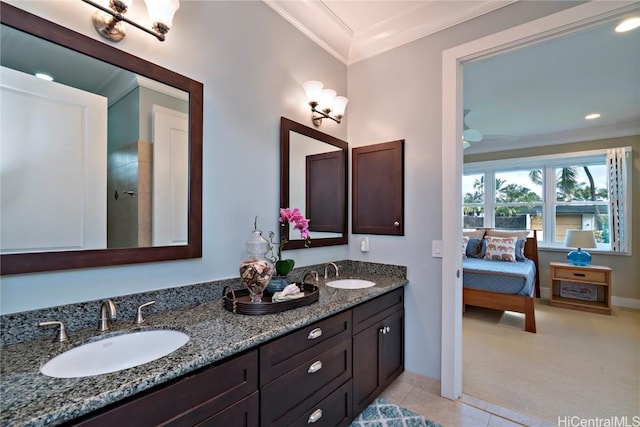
{"x":392,"y":349}
{"x":366,"y":375}
{"x":378,"y":189}
{"x":378,"y":359}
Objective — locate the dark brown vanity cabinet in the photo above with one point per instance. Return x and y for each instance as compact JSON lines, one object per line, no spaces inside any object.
{"x":378,"y":346}
{"x":305,"y":377}
{"x":225,"y":394}
{"x":323,"y":374}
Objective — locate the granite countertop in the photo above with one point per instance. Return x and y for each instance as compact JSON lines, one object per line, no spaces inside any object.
{"x":30,"y":398}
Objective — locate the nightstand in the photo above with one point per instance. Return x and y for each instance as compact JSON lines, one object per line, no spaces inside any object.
{"x":586,"y":288}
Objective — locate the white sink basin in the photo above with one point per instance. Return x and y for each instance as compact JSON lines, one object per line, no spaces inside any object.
{"x":115,"y":353}
{"x":351,"y":284}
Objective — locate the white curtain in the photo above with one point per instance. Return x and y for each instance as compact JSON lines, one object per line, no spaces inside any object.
{"x":617,"y":171}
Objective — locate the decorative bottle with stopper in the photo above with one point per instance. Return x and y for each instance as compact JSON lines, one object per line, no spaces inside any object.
{"x":256,"y":270}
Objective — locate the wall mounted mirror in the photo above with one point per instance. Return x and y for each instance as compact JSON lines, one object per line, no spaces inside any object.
{"x":313,"y":178}
{"x":103,"y":165}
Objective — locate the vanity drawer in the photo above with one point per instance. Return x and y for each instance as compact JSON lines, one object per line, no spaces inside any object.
{"x":280,"y":356}
{"x":284,"y":398}
{"x":580,"y":274}
{"x":332,"y":411}
{"x":371,"y":312}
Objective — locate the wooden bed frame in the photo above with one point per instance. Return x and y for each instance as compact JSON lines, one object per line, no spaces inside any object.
{"x":518,"y":303}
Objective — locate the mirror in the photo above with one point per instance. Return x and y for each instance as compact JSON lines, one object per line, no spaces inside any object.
{"x":313,"y":178}
{"x":87,"y":229}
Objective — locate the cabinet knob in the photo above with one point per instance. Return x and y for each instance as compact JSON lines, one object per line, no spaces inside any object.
{"x":315,"y":333}
{"x":315,"y":416}
{"x":315,"y":367}
{"x":384,"y":330}
{"x":396,"y":224}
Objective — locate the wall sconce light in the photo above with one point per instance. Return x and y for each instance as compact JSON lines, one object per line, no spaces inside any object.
{"x":108,"y":22}
{"x":323,"y":102}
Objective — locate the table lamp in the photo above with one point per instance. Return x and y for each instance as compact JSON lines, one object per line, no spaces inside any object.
{"x":579,"y":239}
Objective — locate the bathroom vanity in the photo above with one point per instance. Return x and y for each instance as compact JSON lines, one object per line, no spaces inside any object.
{"x":319,"y":364}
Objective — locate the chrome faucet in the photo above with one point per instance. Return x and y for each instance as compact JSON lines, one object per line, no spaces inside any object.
{"x":313,"y":274}
{"x":107,"y":312}
{"x":326,"y":267}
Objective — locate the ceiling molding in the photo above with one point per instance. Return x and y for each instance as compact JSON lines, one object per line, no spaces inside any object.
{"x":303,"y":11}
{"x":318,"y":21}
{"x":429,"y":18}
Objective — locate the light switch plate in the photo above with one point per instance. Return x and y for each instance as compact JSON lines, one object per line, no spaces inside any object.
{"x":436,"y":248}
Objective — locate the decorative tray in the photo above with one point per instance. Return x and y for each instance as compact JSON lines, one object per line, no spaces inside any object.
{"x":238,"y":301}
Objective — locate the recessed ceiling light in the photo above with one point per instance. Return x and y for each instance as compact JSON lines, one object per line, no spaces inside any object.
{"x":592,"y":116}
{"x":44,"y":76}
{"x":628,"y":25}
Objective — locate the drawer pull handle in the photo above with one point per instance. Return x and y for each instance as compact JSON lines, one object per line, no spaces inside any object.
{"x":315,"y":367}
{"x":317,"y":414}
{"x":315,"y":333}
{"x":385,"y":330}
{"x":579,"y":274}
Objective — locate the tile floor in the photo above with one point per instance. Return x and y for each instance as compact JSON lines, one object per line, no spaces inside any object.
{"x":422,"y":396}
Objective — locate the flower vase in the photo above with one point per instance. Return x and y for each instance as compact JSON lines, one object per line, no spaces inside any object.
{"x":277,"y":284}
{"x":256,"y":270}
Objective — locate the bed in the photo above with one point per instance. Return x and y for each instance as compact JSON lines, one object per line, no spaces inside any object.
{"x":497,"y":283}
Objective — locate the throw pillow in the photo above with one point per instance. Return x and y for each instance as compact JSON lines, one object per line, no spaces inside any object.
{"x":501,"y":248}
{"x":520,"y":250}
{"x":476,"y":248}
{"x":465,"y":242}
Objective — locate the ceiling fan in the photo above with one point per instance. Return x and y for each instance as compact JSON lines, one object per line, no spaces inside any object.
{"x":471,"y":135}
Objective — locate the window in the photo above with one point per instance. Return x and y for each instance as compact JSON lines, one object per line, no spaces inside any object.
{"x":551,"y":194}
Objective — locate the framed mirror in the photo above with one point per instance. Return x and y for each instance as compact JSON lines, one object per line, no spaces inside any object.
{"x":313,"y":178}
{"x":115,"y":177}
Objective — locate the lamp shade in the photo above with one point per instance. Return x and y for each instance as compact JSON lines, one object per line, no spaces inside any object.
{"x":579,"y":239}
{"x":162,"y":11}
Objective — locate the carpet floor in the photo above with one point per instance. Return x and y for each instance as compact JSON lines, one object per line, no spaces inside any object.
{"x":384,"y":414}
{"x":579,"y":364}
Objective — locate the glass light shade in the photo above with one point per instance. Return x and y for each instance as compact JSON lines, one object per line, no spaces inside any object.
{"x":472,"y":135}
{"x":313,"y":90}
{"x":162,"y":11}
{"x":326,"y":99}
{"x":339,"y":105}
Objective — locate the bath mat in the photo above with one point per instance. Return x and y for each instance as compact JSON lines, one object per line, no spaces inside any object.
{"x":384,"y":414}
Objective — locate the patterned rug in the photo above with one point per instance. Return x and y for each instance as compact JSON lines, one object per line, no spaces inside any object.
{"x":384,"y":414}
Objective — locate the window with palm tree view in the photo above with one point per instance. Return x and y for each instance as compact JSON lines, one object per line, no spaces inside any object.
{"x":548,"y":194}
